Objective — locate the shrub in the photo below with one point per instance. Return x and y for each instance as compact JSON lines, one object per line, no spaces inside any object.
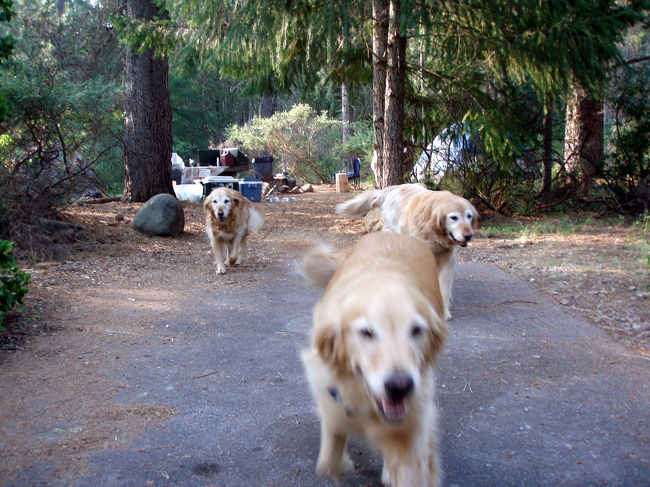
{"x":13,"y":282}
{"x":304,"y":142}
{"x":627,"y":171}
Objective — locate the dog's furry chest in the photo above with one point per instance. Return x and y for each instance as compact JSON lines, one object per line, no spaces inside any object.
{"x":226,"y":229}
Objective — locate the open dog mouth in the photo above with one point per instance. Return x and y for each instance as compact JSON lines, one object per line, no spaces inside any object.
{"x":392,"y":411}
{"x":462,"y":243}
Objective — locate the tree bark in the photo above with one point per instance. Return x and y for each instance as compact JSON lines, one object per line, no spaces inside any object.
{"x":379,"y":44}
{"x":345,"y":111}
{"x":148,"y":123}
{"x":268,"y":106}
{"x":547,"y":162}
{"x":583,"y":142}
{"x":393,"y":136}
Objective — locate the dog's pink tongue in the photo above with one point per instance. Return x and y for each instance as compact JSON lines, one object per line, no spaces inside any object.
{"x":393,"y":411}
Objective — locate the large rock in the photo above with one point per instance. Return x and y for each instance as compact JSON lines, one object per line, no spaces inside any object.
{"x":162,"y":215}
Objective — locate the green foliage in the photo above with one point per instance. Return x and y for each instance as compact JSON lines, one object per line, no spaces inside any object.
{"x":273,"y":46}
{"x":204,"y":105}
{"x":628,"y":163}
{"x":498,"y":65}
{"x":303,"y":141}
{"x":63,"y":86}
{"x":6,"y":46}
{"x":643,"y":246}
{"x":14,"y":283}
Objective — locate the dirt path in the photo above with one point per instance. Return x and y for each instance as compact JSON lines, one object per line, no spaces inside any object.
{"x":152,"y":370}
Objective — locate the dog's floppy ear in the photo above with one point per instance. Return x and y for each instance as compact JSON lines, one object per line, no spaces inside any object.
{"x":207,"y":203}
{"x":330,"y":345}
{"x":439,"y":220}
{"x":436,"y":334}
{"x":319,"y":265}
{"x":475,"y":219}
{"x":325,"y":342}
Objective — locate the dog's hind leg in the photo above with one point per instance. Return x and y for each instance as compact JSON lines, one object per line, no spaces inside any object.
{"x":242,"y":250}
{"x":333,"y":459}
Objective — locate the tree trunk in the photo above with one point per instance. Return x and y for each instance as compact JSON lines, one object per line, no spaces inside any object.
{"x":379,"y":43}
{"x":148,"y":124}
{"x":583,"y":142}
{"x":393,"y":154}
{"x":268,"y":106}
{"x":345,"y":111}
{"x":547,"y":163}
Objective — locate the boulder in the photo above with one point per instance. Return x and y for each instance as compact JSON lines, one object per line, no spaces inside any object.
{"x":162,"y":215}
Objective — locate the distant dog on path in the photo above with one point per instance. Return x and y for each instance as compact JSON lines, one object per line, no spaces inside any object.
{"x":440,"y":219}
{"x":229,"y":218}
{"x":377,"y":331}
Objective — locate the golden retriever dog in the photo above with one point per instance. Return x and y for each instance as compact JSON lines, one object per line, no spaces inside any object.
{"x":440,"y":219}
{"x":376,"y":333}
{"x":229,"y":218}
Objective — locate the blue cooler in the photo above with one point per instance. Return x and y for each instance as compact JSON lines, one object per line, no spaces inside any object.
{"x":251,"y":189}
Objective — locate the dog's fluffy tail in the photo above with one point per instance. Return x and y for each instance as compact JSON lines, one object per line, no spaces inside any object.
{"x":319,"y":265}
{"x":361,"y":204}
{"x":255,"y":219}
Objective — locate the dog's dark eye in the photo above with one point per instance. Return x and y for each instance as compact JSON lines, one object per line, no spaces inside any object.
{"x":469,"y":216}
{"x":417,"y":331}
{"x":367,"y":333}
{"x":226,"y":201}
{"x":453,"y":218}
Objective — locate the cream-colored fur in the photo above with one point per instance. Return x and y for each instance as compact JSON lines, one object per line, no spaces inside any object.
{"x":229,"y":218}
{"x":376,"y":333}
{"x":441,"y":219}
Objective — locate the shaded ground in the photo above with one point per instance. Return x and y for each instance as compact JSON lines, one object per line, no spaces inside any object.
{"x":151,"y":370}
{"x":599,"y":269}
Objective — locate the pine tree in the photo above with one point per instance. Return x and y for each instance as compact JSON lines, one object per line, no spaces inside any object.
{"x":148,"y":121}
{"x":6,"y":45}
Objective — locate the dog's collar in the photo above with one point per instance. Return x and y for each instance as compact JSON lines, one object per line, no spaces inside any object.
{"x":337,"y":397}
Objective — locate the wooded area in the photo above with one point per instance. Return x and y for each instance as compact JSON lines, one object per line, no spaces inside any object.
{"x":536,"y":105}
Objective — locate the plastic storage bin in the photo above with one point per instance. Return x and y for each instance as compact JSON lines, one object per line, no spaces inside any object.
{"x":251,"y":189}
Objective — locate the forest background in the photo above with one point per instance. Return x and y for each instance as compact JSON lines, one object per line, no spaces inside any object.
{"x":549,"y":99}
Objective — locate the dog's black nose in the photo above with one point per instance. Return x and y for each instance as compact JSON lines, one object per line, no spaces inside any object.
{"x":468,"y":236}
{"x":398,"y":386}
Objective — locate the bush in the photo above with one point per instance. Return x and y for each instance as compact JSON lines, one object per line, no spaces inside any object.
{"x":304,"y":142}
{"x":627,"y":171}
{"x":13,"y":282}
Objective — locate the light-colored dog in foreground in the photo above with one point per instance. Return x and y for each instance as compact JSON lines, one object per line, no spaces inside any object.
{"x":440,"y":219}
{"x":376,"y":333}
{"x":229,"y":218}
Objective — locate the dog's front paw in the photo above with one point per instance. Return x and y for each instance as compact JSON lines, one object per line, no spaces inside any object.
{"x":221,"y":269}
{"x":347,"y":465}
{"x":335,"y":470}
